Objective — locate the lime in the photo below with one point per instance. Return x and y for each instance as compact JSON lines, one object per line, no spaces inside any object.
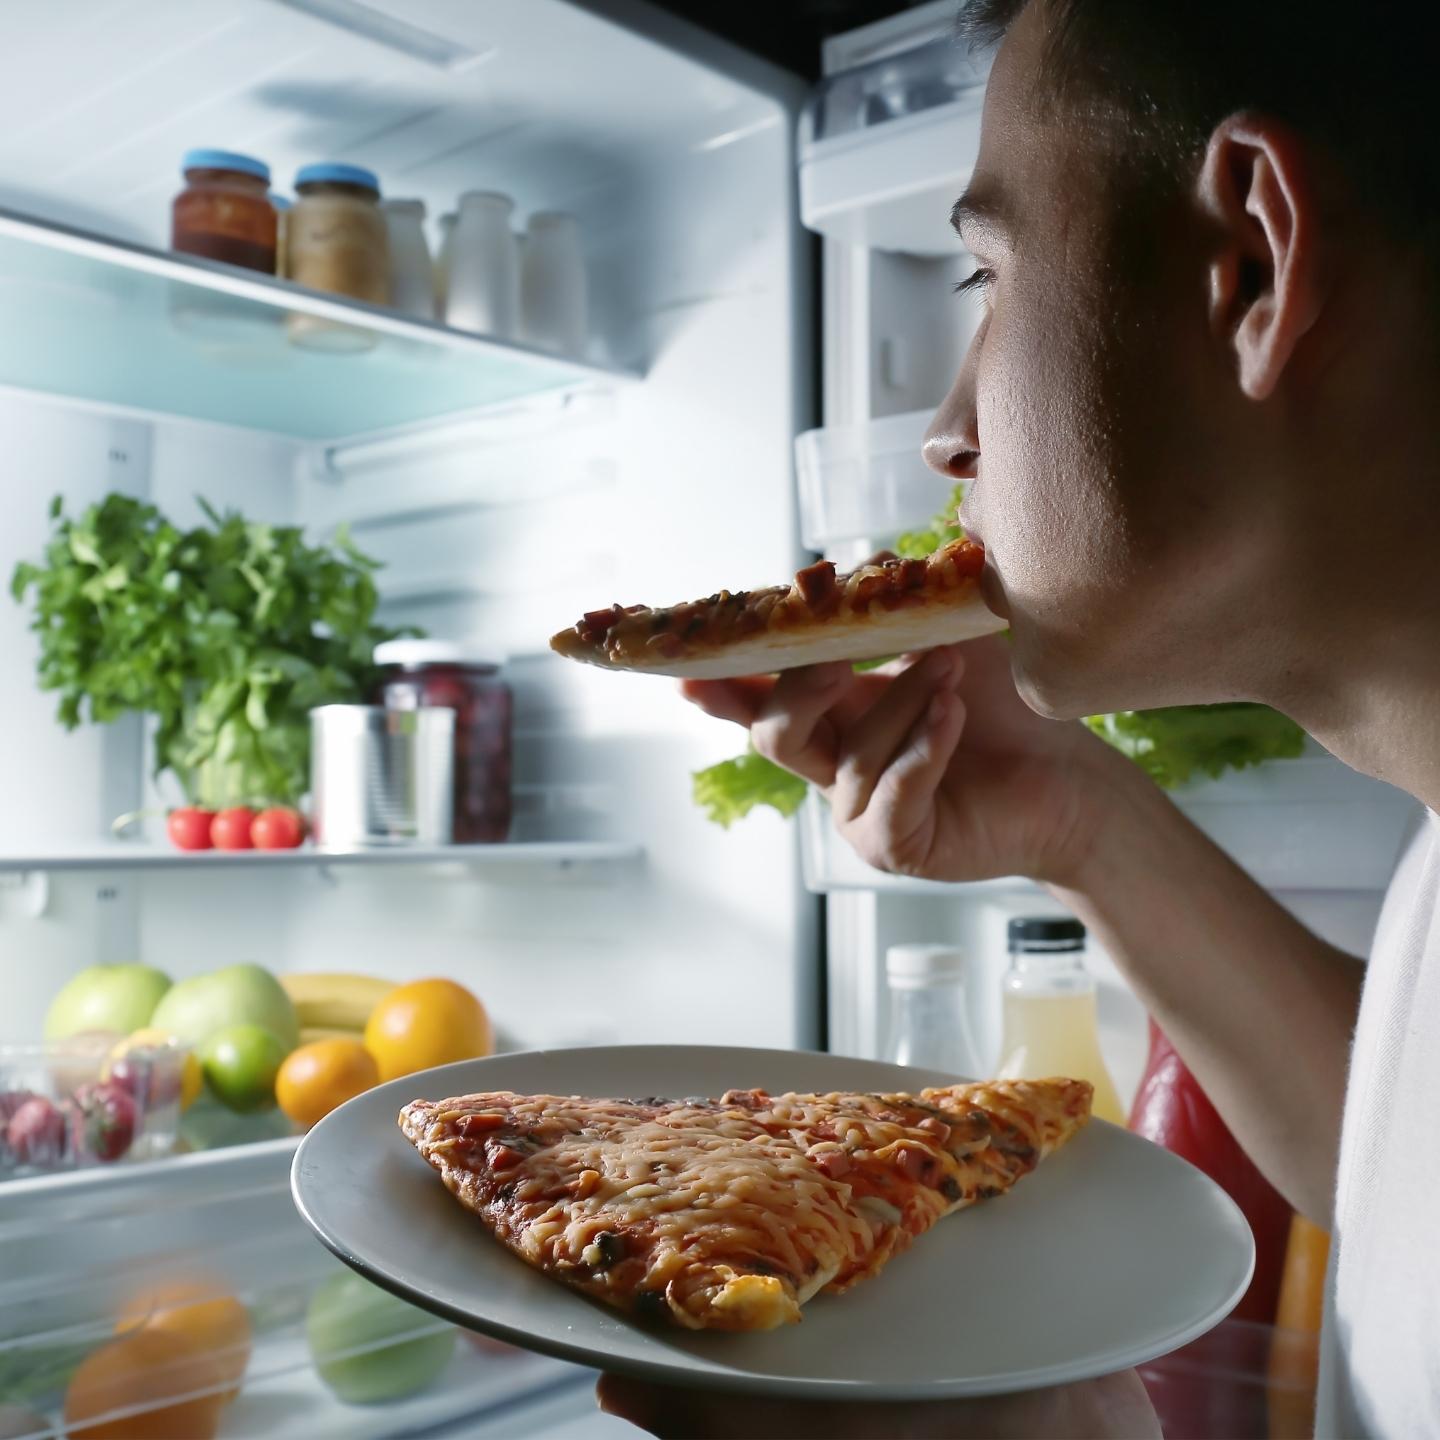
{"x":240,"y":1064}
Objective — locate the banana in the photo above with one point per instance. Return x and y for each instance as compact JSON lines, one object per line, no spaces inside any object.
{"x":310,"y":1033}
{"x":327,"y":1000}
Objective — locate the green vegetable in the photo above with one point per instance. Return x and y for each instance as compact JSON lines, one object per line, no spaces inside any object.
{"x":1173,"y":745}
{"x":945,"y":527}
{"x":730,"y":790}
{"x":228,"y":634}
{"x":370,"y":1346}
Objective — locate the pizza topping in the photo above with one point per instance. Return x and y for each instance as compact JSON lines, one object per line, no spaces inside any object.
{"x":816,"y":586}
{"x":605,"y":1249}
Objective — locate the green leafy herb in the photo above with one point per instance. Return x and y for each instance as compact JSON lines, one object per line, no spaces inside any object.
{"x":945,"y":527}
{"x":228,"y":634}
{"x":1174,"y":746}
{"x":730,"y":790}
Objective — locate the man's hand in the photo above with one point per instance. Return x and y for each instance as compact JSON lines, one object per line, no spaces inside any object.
{"x":933,"y":765}
{"x":1113,"y":1408}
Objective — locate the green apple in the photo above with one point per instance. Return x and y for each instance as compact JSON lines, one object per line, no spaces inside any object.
{"x":368,"y":1346}
{"x":106,"y":997}
{"x":237,"y":995}
{"x":240,"y":1063}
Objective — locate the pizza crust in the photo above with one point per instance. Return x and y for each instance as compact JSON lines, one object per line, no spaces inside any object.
{"x":946,"y":620}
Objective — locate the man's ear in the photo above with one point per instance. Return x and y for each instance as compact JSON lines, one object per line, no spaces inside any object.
{"x":1264,"y":269}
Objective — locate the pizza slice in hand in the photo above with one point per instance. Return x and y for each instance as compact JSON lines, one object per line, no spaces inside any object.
{"x":887,"y":607}
{"x":730,"y":1214}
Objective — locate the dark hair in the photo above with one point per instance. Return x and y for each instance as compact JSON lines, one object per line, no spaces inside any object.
{"x":1357,"y":86}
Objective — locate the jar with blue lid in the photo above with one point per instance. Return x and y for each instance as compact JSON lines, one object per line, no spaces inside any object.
{"x":224,"y":212}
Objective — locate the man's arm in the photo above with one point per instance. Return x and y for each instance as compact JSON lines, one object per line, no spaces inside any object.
{"x":1259,"y":1007}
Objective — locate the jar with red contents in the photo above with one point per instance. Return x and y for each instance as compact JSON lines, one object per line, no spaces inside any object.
{"x":433,"y":672}
{"x":224,"y":211}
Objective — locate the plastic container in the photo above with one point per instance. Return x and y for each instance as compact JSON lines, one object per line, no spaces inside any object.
{"x":553,"y":301}
{"x":337,"y":241}
{"x":928,"y":1021}
{"x":68,"y":1104}
{"x":1051,"y":1025}
{"x":866,"y":482}
{"x":433,"y":673}
{"x":412,"y":276}
{"x":482,"y":284}
{"x":224,"y":211}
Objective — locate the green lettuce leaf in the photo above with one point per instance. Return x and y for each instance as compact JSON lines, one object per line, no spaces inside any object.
{"x":730,"y":790}
{"x":1176,"y":745}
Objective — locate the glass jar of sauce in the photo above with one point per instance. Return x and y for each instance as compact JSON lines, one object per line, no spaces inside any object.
{"x":435,"y":673}
{"x":336,"y":241}
{"x":224,"y":211}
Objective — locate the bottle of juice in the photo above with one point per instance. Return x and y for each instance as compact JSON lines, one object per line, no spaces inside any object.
{"x":1049,"y":1020}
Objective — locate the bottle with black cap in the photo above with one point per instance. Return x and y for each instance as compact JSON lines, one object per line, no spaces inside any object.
{"x":1050,"y":1025}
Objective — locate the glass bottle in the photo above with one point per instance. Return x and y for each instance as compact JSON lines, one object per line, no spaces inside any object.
{"x":1050,"y":1026}
{"x":928,"y":1022}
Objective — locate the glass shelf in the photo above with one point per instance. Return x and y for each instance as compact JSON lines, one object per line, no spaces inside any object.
{"x":136,"y":855}
{"x":123,"y":325}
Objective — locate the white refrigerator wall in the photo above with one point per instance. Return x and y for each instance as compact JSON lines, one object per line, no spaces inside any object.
{"x":498,"y":532}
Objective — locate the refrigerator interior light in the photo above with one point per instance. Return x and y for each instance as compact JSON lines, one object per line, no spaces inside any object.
{"x":397,"y":35}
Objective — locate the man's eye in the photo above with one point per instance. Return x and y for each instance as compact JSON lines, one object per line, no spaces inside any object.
{"x":980,"y":280}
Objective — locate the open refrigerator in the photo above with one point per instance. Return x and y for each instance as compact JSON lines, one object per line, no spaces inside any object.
{"x":702,"y":440}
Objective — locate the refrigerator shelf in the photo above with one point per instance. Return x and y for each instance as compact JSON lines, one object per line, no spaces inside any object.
{"x":505,"y":856}
{"x":128,"y":327}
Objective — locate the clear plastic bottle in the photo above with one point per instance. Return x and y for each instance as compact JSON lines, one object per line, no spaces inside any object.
{"x":929,"y":1026}
{"x":1050,"y":1026}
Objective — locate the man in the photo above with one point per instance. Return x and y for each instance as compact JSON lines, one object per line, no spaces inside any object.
{"x":1197,"y":419}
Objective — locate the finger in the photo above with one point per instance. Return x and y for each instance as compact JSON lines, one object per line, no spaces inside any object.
{"x":901,"y":816}
{"x":738,"y":700}
{"x":795,"y":727}
{"x":887,"y":727}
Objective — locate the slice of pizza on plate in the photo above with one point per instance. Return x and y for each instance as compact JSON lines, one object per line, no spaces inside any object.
{"x":731,"y":1213}
{"x":887,"y":607}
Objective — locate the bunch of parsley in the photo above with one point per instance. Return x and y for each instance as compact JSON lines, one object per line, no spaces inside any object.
{"x":228,"y":634}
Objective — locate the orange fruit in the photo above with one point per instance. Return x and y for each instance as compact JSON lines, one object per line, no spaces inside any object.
{"x":321,"y":1075}
{"x":425,"y":1023}
{"x":199,"y":1309}
{"x":134,"y":1381}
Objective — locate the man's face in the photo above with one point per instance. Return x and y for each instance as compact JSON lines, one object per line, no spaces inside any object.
{"x":1093,"y":416}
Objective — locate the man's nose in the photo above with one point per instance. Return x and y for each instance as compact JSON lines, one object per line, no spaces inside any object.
{"x":951,"y":447}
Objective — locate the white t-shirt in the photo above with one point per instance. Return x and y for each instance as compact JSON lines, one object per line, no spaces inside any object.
{"x":1380,"y":1371}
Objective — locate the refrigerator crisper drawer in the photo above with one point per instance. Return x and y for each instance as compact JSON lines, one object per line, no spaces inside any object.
{"x":205,"y":1260}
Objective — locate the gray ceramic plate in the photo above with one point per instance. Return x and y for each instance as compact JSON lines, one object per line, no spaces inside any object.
{"x":1111,"y":1253}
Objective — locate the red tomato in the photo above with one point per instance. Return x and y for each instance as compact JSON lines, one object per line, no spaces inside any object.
{"x":189,"y":827}
{"x":231,"y":828}
{"x":279,"y":828}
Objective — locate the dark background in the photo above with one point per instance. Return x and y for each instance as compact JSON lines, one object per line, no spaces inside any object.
{"x":788,"y":32}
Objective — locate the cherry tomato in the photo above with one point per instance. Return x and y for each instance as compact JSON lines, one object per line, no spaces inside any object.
{"x":231,"y":828}
{"x":107,"y":1120}
{"x":278,"y":828}
{"x":189,"y":827}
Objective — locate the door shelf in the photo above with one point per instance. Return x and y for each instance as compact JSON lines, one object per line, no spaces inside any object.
{"x":866,"y":482}
{"x":1309,"y":824}
{"x":126,"y":326}
{"x":508,"y":856}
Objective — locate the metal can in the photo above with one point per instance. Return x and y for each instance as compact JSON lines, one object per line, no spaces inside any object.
{"x":381,"y":777}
